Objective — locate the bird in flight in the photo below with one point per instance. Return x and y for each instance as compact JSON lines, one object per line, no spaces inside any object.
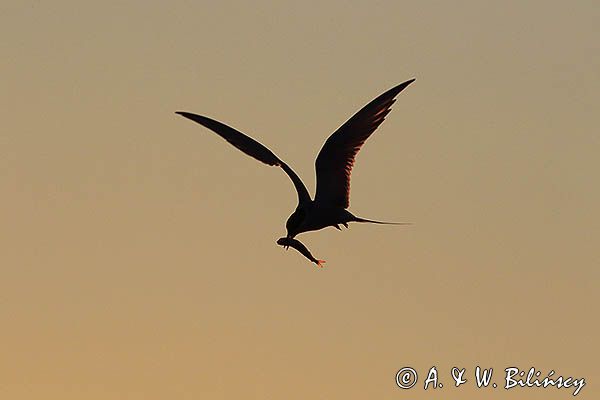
{"x":333,"y":167}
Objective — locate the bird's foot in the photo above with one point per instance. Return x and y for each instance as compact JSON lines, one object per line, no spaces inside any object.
{"x":320,"y":263}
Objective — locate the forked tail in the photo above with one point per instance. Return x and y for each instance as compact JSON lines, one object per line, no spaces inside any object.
{"x":357,"y":219}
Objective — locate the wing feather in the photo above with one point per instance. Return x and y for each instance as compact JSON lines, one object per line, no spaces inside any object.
{"x":336,"y":158}
{"x":250,"y":147}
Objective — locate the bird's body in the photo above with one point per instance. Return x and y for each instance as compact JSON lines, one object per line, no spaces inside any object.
{"x":314,"y":216}
{"x":333,"y":165}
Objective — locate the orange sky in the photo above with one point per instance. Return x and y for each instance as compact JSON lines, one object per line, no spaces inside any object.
{"x":139,"y":257}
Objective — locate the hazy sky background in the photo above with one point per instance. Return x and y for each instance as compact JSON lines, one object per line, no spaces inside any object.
{"x":138,"y":250}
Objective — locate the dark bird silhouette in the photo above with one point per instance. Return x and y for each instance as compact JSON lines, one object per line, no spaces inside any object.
{"x":333,"y":166}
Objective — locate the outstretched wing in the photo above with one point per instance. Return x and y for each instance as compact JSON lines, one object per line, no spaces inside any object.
{"x":336,"y":158}
{"x":251,"y":147}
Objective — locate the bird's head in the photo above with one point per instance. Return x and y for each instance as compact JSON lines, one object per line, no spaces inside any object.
{"x":285,"y":242}
{"x":294,"y":222}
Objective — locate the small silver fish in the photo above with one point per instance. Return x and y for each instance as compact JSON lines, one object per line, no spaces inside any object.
{"x":296,"y":244}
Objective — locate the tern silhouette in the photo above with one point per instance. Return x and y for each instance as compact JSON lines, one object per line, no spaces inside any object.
{"x":333,"y":165}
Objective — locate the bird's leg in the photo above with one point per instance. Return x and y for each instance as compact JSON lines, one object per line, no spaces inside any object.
{"x":345,"y":224}
{"x":337,"y":227}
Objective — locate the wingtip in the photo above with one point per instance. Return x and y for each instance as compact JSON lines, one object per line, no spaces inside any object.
{"x":405,"y":84}
{"x":397,"y":89}
{"x":186,"y":114}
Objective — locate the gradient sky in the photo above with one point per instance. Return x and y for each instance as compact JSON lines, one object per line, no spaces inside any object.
{"x":138,"y":251}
